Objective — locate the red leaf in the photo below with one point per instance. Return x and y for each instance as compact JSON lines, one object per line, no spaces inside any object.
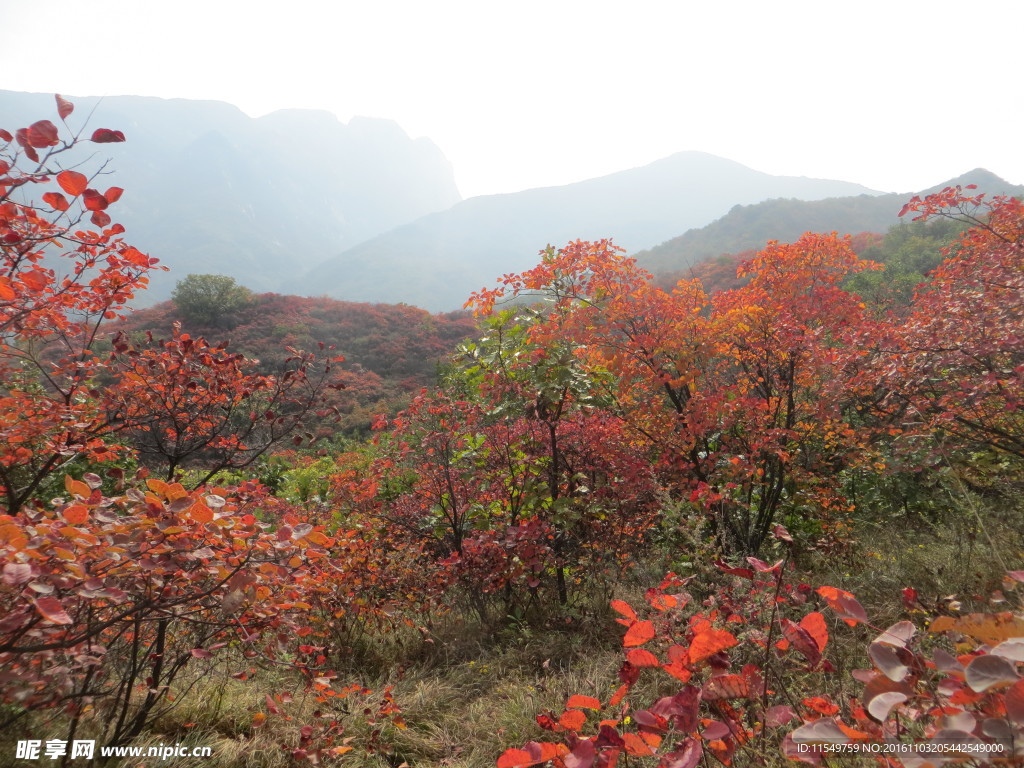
{"x":724,"y":567}
{"x":50,"y":608}
{"x":686,"y":757}
{"x":778,"y":715}
{"x":106,"y":136}
{"x":821,"y":731}
{"x":582,"y":755}
{"x":57,"y":201}
{"x":844,"y":604}
{"x":35,"y":280}
{"x":888,"y":661}
{"x":93,"y":200}
{"x":638,"y":634}
{"x":6,"y":135}
{"x":113,"y":194}
{"x":72,"y":182}
{"x":42,"y":134}
{"x":100,"y":218}
{"x":822,"y":705}
{"x":762,"y":567}
{"x":814,"y":624}
{"x":801,"y":639}
{"x":726,"y":687}
{"x":64,"y":107}
{"x":780,"y":533}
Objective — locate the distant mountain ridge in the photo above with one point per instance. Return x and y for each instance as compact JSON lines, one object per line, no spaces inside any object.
{"x":437,"y":261}
{"x":748,"y":227}
{"x":298,"y":202}
{"x":210,"y":190}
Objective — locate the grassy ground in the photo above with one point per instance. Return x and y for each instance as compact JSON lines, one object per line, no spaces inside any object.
{"x":467,"y":691}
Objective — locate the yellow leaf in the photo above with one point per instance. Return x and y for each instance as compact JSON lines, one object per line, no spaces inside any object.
{"x":989,"y":628}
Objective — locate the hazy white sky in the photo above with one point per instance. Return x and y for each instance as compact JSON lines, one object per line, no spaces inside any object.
{"x":896,"y":95}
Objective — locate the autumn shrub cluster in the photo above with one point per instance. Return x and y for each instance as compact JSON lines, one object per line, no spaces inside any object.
{"x":744,"y":678}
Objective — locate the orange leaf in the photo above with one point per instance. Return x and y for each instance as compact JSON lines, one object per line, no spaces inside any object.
{"x":135,"y":256}
{"x":72,"y":182}
{"x":176,"y":491}
{"x":638,"y":634}
{"x":661,"y":601}
{"x":11,"y":534}
{"x":814,"y":625}
{"x":708,"y":643}
{"x":636,"y":746}
{"x":990,"y":628}
{"x":639,"y":657}
{"x":76,"y":487}
{"x":534,"y":753}
{"x":34,"y":279}
{"x":76,"y":514}
{"x":583,"y":702}
{"x":572,"y":719}
{"x":620,"y":606}
{"x":514,"y":758}
{"x":57,"y":201}
{"x":619,"y":695}
{"x":200,"y":512}
{"x":157,"y":486}
{"x":844,"y":604}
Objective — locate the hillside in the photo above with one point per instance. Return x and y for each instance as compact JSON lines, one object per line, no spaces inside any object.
{"x":210,"y":190}
{"x":748,"y":227}
{"x":437,"y":261}
{"x":390,"y":350}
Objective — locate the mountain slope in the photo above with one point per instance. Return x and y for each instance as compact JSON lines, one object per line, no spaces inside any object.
{"x":209,"y":189}
{"x":748,"y":227}
{"x":438,"y":260}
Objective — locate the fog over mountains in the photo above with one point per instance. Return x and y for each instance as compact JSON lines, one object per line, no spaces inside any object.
{"x":748,"y":227}
{"x":298,"y":202}
{"x":437,"y":261}
{"x":210,"y":190}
